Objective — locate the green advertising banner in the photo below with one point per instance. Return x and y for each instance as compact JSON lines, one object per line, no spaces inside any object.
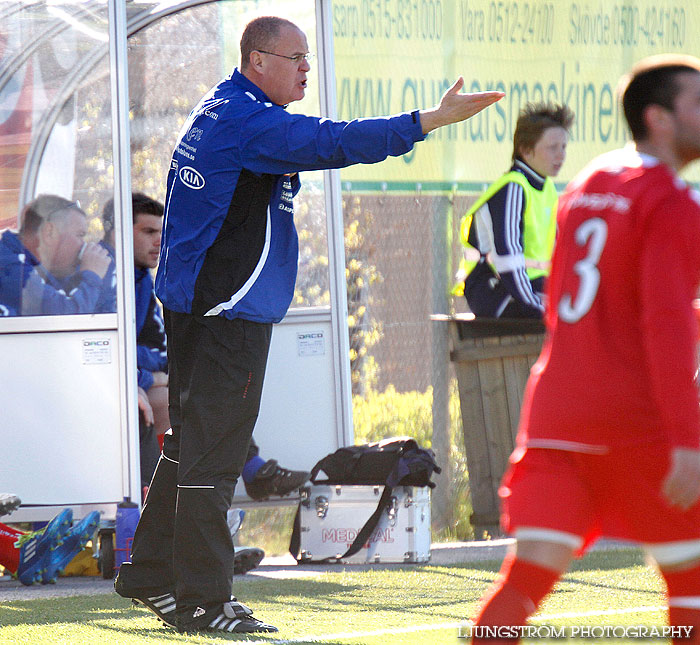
{"x":399,"y":55}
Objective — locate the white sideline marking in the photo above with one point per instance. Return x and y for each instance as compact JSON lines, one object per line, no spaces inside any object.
{"x":434,"y":627}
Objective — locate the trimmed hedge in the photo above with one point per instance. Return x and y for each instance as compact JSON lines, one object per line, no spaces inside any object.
{"x":378,"y":415}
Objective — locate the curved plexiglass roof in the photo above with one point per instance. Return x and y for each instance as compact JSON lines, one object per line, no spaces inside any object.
{"x":54,"y":89}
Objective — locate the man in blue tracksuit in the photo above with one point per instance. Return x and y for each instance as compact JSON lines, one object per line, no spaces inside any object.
{"x":47,"y":268}
{"x":151,"y":359}
{"x":227,"y":271}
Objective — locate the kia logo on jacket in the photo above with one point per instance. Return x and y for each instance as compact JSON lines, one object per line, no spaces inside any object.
{"x":191,"y":178}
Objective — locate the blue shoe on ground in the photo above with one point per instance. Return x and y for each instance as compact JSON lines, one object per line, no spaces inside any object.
{"x":72,"y":544}
{"x":234,"y":519}
{"x":36,"y":547}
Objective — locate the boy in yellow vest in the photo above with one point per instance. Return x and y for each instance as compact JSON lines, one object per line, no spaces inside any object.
{"x":513,"y":224}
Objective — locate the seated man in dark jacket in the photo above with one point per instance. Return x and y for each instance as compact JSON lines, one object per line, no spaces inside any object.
{"x":37,"y":261}
{"x":151,"y":356}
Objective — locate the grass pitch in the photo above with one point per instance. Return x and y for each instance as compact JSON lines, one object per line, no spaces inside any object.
{"x":422,"y":605}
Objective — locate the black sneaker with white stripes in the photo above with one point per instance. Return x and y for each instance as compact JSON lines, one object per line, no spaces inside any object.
{"x":163,"y":606}
{"x":157,"y":599}
{"x":232,"y":617}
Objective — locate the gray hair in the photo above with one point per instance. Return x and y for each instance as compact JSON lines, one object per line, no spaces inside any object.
{"x":42,"y":209}
{"x":261,"y":34}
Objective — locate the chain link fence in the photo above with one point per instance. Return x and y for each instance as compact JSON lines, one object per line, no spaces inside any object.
{"x":402,"y":251}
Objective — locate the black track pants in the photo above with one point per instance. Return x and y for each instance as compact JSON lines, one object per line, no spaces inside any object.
{"x":216,"y":369}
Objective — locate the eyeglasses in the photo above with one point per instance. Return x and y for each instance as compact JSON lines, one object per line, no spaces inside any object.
{"x":308,"y":57}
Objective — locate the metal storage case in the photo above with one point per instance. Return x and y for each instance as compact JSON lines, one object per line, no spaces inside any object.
{"x":332,"y":515}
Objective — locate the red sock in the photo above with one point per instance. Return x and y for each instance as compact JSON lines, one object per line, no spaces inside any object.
{"x":686,"y":617}
{"x":684,"y":589}
{"x":9,"y":553}
{"x":519,"y":589}
{"x":10,"y":529}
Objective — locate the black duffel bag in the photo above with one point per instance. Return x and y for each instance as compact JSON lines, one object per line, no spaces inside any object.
{"x":397,"y":461}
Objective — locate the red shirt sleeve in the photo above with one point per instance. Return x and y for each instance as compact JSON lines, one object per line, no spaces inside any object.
{"x":670,"y":273}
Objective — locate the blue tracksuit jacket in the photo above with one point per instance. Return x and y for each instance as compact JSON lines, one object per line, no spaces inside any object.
{"x":229,"y":244}
{"x":151,"y":353}
{"x":27,"y":289}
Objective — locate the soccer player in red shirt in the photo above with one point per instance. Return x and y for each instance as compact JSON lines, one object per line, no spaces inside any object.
{"x":609,"y":437}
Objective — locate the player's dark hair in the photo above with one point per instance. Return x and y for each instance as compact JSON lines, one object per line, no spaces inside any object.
{"x":652,"y":81}
{"x":534,"y":119}
{"x":140,"y":205}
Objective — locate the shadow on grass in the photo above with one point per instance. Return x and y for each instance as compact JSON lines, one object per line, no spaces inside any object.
{"x":83,"y":609}
{"x":324,"y":605}
{"x":611,"y":559}
{"x":608,"y":560}
{"x":419,"y":592}
{"x":115,"y":617}
{"x":165,"y":633}
{"x":595,"y":561}
{"x":434,"y":592}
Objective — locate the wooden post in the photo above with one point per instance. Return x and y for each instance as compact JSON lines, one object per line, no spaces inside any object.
{"x":492,"y":359}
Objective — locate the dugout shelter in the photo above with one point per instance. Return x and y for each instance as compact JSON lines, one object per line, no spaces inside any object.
{"x":92,"y":95}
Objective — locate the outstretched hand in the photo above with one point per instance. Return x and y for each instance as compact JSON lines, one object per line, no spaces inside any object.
{"x":455,"y":106}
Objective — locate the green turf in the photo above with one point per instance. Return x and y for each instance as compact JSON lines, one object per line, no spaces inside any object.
{"x":410,"y":605}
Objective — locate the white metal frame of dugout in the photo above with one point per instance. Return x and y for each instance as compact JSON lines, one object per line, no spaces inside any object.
{"x":68,"y":394}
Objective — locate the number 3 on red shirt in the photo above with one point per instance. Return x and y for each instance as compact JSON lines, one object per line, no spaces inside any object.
{"x":593,"y":232}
